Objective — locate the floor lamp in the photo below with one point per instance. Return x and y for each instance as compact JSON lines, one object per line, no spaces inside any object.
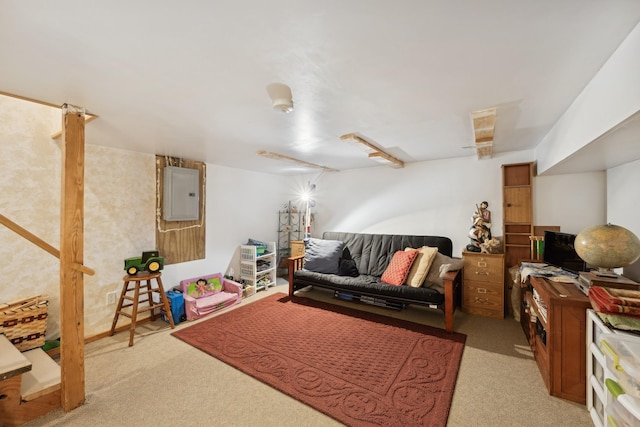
{"x":309,"y":203}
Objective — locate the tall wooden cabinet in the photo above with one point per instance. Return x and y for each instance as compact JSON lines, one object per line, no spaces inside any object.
{"x":517,"y":211}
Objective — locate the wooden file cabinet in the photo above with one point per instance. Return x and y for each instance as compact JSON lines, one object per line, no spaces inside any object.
{"x":483,"y":284}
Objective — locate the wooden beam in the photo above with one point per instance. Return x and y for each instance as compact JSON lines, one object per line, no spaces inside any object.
{"x":88,"y":117}
{"x":24,"y":98}
{"x":29,"y":236}
{"x":71,"y":255}
{"x":40,"y":243}
{"x":277,"y":156}
{"x":377,"y":154}
{"x":386,"y":159}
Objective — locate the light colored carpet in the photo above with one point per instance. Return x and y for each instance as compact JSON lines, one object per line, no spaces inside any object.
{"x":164,"y":381}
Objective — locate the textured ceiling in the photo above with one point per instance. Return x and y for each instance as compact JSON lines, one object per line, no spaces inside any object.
{"x":188,"y":79}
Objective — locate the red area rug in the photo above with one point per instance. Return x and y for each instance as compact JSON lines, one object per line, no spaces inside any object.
{"x":360,"y":368}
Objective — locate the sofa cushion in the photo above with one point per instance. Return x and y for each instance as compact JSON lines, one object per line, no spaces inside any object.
{"x":441,"y":265}
{"x":421,"y":265}
{"x":373,"y":252}
{"x":398,"y":269}
{"x":323,"y":256}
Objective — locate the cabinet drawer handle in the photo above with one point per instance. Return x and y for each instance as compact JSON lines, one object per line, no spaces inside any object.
{"x":482,"y":300}
{"x":483,"y":273}
{"x":482,"y":263}
{"x":482,"y":290}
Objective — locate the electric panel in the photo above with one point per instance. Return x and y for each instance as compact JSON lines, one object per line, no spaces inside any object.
{"x":181,"y":194}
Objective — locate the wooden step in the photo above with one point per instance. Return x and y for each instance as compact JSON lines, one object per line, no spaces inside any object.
{"x":29,"y":384}
{"x":12,"y":362}
{"x":43,"y":378}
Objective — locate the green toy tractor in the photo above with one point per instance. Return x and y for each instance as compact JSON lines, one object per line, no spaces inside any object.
{"x":150,"y":261}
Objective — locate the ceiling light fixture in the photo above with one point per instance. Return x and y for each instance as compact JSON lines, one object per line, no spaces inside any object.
{"x":484,"y":123}
{"x":281,"y":97}
{"x":375,"y":153}
{"x":277,"y":156}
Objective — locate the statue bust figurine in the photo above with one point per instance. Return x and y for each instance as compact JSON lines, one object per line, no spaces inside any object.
{"x":480,"y":230}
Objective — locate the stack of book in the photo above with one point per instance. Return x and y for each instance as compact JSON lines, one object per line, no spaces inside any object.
{"x":593,"y":278}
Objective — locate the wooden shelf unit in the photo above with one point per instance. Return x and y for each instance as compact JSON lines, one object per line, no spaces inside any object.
{"x":557,"y":337}
{"x":517,"y":199}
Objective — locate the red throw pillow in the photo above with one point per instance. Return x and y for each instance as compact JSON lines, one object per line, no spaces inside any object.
{"x":398,"y":269}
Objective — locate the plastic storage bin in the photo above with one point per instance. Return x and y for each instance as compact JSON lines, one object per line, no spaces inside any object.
{"x":623,"y":360}
{"x":622,"y":372}
{"x":622,"y":409}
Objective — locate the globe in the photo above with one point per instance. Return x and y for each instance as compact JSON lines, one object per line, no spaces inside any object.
{"x":607,"y":246}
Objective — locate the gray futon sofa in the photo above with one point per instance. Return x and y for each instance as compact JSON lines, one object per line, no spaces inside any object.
{"x":370,"y":255}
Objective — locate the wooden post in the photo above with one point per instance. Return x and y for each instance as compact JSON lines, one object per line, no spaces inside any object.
{"x":71,"y":253}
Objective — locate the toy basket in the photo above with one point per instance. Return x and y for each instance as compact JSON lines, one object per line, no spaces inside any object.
{"x":248,"y":290}
{"x":24,"y":322}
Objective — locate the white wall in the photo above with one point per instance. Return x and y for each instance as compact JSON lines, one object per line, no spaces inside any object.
{"x":240,"y":205}
{"x":610,"y":98}
{"x":572,"y":201}
{"x":119,"y":213}
{"x":623,"y":203}
{"x":439,"y":198}
{"x":433,"y":198}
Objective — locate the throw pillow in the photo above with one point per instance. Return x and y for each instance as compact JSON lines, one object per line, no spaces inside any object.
{"x":348,"y":268}
{"x":441,"y":265}
{"x":322,"y":256}
{"x":398,"y":269}
{"x":347,"y":265}
{"x":421,"y":265}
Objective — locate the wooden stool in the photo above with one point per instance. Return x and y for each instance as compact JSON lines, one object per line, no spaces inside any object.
{"x":139,"y":290}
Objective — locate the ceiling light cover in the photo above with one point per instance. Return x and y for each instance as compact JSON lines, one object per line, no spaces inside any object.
{"x":281,"y":97}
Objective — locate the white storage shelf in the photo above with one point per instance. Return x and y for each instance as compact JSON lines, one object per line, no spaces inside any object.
{"x":258,"y":270}
{"x":604,"y":407}
{"x":596,"y":396}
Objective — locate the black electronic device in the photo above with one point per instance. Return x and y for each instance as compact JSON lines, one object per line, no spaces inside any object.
{"x":559,"y":250}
